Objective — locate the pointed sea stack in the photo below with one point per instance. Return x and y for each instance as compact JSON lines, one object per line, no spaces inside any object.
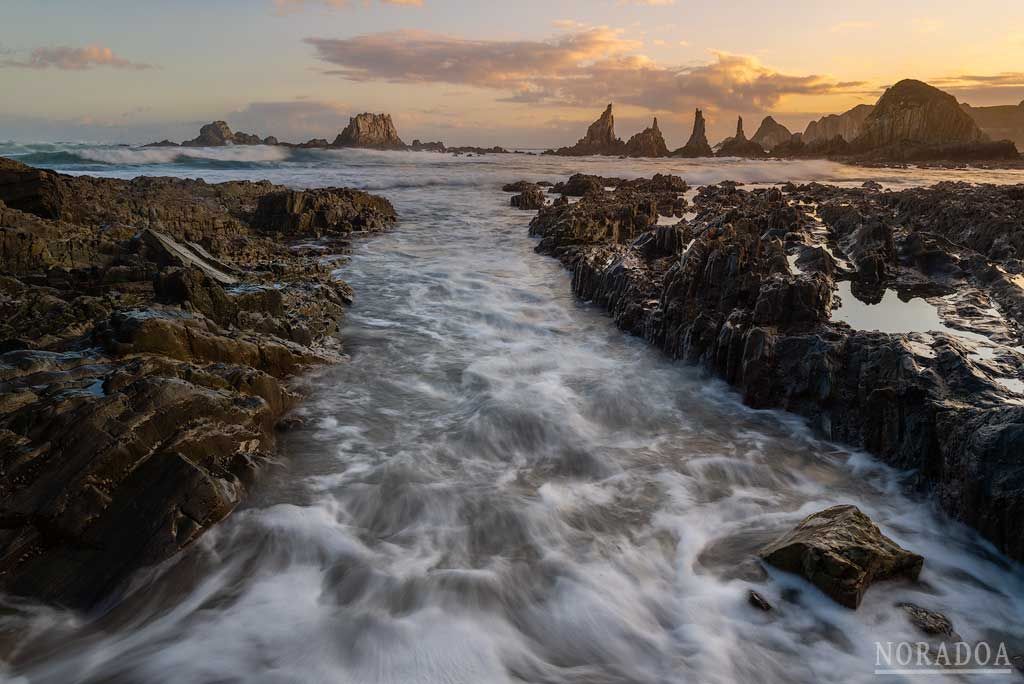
{"x":600,"y":139}
{"x":739,"y":146}
{"x":375,"y":131}
{"x":697,"y":145}
{"x":647,"y":143}
{"x":771,"y":134}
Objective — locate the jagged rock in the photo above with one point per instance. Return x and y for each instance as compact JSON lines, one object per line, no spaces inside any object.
{"x":697,"y":145}
{"x":370,"y":130}
{"x":600,"y":139}
{"x":739,"y":146}
{"x":146,"y":327}
{"x":216,"y":134}
{"x":271,"y":140}
{"x":928,"y":621}
{"x":520,"y":186}
{"x":719,"y":290}
{"x":322,"y":211}
{"x":912,"y":111}
{"x":162,"y":143}
{"x":647,"y":143}
{"x":771,"y":134}
{"x":418,"y":146}
{"x":530,"y":198}
{"x":758,"y":601}
{"x":842,"y":552}
{"x":915,"y":121}
{"x":847,"y":125}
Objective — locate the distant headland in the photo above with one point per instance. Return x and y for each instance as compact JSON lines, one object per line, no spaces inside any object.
{"x":366,"y":131}
{"x":911,"y":122}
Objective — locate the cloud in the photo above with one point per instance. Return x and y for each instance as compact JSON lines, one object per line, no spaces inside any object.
{"x":287,"y":6}
{"x":73,"y":59}
{"x":582,"y":68}
{"x":291,"y":119}
{"x":1005,"y":87}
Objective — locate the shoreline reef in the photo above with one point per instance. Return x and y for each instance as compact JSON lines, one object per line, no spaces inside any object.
{"x":149,"y":331}
{"x":753,"y":287}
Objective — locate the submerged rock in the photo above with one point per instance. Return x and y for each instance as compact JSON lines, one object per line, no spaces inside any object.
{"x":840,"y":551}
{"x":928,"y":621}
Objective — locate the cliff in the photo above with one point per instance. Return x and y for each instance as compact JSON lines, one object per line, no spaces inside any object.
{"x":375,"y":131}
{"x":697,"y":145}
{"x":847,"y":125}
{"x":1005,"y":122}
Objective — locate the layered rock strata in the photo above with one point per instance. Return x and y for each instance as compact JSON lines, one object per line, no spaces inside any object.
{"x":148,"y":329}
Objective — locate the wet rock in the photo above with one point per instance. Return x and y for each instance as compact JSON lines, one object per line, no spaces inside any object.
{"x":216,"y":134}
{"x":719,"y":291}
{"x":147,"y":329}
{"x":929,"y":621}
{"x":520,"y":186}
{"x":532,"y":198}
{"x":840,"y":551}
{"x":324,"y":211}
{"x":758,"y":601}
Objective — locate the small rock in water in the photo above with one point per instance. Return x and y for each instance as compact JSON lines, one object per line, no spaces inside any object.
{"x":758,"y":601}
{"x":840,"y":551}
{"x":928,"y":621}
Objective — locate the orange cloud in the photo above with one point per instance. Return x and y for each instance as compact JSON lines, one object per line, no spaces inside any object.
{"x":587,"y":67}
{"x":73,"y":59}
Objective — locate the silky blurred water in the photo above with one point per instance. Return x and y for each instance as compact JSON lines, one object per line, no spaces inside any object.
{"x":501,"y":487}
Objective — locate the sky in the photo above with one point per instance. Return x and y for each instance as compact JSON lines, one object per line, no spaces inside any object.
{"x":531,"y":73}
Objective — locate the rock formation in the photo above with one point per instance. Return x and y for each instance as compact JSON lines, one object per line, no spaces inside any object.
{"x":915,"y":112}
{"x":647,"y":143}
{"x":216,"y":134}
{"x":771,"y":134}
{"x":375,"y":131}
{"x":847,"y":125}
{"x":147,"y":330}
{"x":739,"y":146}
{"x":1004,"y":122}
{"x":747,"y":288}
{"x":842,"y":552}
{"x":697,"y":145}
{"x":600,"y":139}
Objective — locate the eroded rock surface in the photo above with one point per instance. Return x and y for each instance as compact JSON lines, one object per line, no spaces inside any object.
{"x":697,"y":145}
{"x":749,"y":288}
{"x":370,"y":130}
{"x":840,"y":551}
{"x":147,"y":331}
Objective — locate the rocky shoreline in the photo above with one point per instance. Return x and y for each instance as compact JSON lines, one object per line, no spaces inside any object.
{"x":149,"y":331}
{"x":753,"y":286}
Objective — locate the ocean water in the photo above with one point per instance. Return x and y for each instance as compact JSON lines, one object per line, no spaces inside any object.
{"x":499,"y":486}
